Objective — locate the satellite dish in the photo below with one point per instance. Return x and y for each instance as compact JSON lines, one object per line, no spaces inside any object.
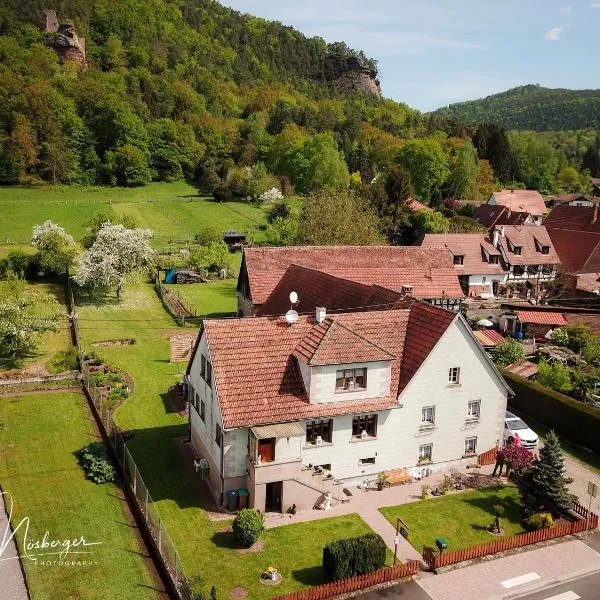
{"x":291,"y":316}
{"x":293,"y":297}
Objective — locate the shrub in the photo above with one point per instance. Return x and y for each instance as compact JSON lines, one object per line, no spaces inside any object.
{"x":424,"y":491}
{"x":354,"y":556}
{"x":247,"y":526}
{"x":222,"y":194}
{"x":279,"y":210}
{"x":541,"y":520}
{"x":65,"y":360}
{"x":96,"y":464}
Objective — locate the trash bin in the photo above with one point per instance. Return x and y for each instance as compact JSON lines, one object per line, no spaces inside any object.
{"x":243,"y":497}
{"x":441,"y":543}
{"x":232,"y":500}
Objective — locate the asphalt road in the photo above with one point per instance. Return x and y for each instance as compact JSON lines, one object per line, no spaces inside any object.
{"x":404,"y":591}
{"x":586,"y":588}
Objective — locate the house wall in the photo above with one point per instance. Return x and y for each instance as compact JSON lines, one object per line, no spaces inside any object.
{"x":288,"y":448}
{"x":322,"y":382}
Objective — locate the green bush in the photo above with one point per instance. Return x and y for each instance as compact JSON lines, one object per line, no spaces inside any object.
{"x":354,"y":556}
{"x":222,"y":194}
{"x":567,"y":416}
{"x":541,"y":520}
{"x":96,"y":464}
{"x":65,"y":360}
{"x":247,"y":526}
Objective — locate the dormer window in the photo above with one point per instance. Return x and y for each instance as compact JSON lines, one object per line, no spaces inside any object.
{"x":350,"y":380}
{"x":516,"y":250}
{"x":494,"y":259}
{"x":545,"y":250}
{"x":459,"y":259}
{"x":407,"y":289}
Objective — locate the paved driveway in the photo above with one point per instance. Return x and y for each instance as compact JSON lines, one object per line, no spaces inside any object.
{"x":12,"y":584}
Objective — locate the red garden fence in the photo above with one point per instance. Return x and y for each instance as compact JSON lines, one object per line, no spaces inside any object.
{"x":353,"y":584}
{"x":487,"y":458}
{"x":588,"y":521}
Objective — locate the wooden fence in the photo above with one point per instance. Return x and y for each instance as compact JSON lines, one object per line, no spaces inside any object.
{"x":487,"y":458}
{"x":589,"y":521}
{"x":353,"y":584}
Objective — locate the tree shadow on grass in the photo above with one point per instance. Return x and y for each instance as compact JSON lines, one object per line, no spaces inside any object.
{"x":512,"y":508}
{"x":95,"y":297}
{"x":226,"y":539}
{"x":309,"y":575}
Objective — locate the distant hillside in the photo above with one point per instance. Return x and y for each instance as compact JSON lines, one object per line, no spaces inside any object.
{"x":532,"y":107}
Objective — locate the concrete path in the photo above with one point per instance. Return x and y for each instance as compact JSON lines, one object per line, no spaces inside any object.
{"x":12,"y":583}
{"x":512,"y":576}
{"x":581,"y":474}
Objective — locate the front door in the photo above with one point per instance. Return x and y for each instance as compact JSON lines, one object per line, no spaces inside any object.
{"x":495,"y":287}
{"x":273,"y":496}
{"x":266,"y":450}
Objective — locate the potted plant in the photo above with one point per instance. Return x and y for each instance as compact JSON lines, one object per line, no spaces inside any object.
{"x":424,"y":491}
{"x":381,"y":480}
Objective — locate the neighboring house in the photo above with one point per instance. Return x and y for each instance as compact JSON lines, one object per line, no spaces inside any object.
{"x":575,"y":233}
{"x":419,"y":272}
{"x":595,"y":187}
{"x":522,"y":367}
{"x":476,"y":260}
{"x":521,"y":201}
{"x":489,"y":216}
{"x":488,"y":338}
{"x":575,"y":199}
{"x":532,"y":322}
{"x":528,"y":255}
{"x":290,"y":411}
{"x":416,"y":205}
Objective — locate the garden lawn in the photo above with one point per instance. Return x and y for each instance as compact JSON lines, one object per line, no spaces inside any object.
{"x":461,"y":518}
{"x":38,"y":436}
{"x":50,"y":342}
{"x":208,"y":300}
{"x":173,"y":211}
{"x":206,"y":552}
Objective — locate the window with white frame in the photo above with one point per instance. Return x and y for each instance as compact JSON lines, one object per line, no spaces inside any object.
{"x":427,"y":416}
{"x":322,"y":429}
{"x":454,"y":375}
{"x":471,"y":445}
{"x":425,"y":453}
{"x":473,"y":409}
{"x":203,"y":411}
{"x":364,"y":426}
{"x":348,"y":380}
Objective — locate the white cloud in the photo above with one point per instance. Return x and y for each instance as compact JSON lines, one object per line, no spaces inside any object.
{"x":554,"y":34}
{"x":567,"y":9}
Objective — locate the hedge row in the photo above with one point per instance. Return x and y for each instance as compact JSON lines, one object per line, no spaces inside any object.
{"x":569,"y":417}
{"x":354,"y":556}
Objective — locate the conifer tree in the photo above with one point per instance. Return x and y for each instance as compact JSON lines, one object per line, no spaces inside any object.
{"x":543,"y":487}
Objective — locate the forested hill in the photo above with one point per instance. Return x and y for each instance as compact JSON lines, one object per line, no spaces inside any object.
{"x":171,"y":87}
{"x":532,"y":107}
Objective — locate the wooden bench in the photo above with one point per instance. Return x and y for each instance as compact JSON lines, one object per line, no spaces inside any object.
{"x":397,"y":476}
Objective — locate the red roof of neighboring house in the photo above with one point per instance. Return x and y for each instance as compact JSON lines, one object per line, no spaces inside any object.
{"x":575,"y":218}
{"x":430,"y":272}
{"x":527,"y":201}
{"x":489,"y":215}
{"x":595,"y":182}
{"x":529,"y":238}
{"x":315,"y":288}
{"x":588,"y":282}
{"x":579,"y":251}
{"x":416,"y":205}
{"x":566,"y":198}
{"x":591,"y":320}
{"x":541,"y":317}
{"x":257,"y":376}
{"x":474,"y":247}
{"x":522,"y":367}
{"x":488,"y":337}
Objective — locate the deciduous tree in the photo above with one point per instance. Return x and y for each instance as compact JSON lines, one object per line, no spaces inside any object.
{"x":56,"y":249}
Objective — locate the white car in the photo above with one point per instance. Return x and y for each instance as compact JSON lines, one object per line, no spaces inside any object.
{"x":514,"y":426}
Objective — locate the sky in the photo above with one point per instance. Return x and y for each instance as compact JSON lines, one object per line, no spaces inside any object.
{"x":436,"y":52}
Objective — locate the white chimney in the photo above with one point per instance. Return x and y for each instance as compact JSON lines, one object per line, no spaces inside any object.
{"x":320,"y":314}
{"x":495,"y":238}
{"x":502,"y":231}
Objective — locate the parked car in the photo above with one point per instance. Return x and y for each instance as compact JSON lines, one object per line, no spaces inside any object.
{"x":514,"y":426}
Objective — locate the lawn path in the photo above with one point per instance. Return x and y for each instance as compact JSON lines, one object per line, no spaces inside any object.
{"x":11,"y":575}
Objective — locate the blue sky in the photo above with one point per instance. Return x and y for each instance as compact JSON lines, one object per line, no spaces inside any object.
{"x":435,"y":52}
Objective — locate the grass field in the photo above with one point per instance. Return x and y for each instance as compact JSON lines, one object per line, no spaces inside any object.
{"x":206,"y":552}
{"x":47,"y":485}
{"x":50,"y":342}
{"x":173,"y":211}
{"x":208,"y":300}
{"x":461,"y":518}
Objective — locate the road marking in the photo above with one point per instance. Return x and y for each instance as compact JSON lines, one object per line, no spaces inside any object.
{"x":508,"y":583}
{"x":565,"y":596}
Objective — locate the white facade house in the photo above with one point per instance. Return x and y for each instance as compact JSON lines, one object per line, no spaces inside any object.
{"x":285,"y":412}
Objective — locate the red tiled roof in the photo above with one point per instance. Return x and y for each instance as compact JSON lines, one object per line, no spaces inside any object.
{"x":575,"y":218}
{"x":315,"y":288}
{"x":525,"y":236}
{"x":528,"y":201}
{"x":588,"y":282}
{"x":579,"y":251}
{"x":488,"y":337}
{"x":469,"y":245}
{"x":429,"y":271}
{"x":332,"y":343}
{"x":258,"y":379}
{"x":522,"y":367}
{"x":489,"y":215}
{"x":591,"y":320}
{"x":541,"y":317}
{"x":416,"y":205}
{"x":565,"y":198}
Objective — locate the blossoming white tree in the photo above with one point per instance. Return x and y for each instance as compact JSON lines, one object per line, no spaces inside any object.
{"x":271,"y":195}
{"x":57,"y":249}
{"x":116,"y":252}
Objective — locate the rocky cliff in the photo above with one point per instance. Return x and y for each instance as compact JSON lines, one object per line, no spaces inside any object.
{"x":64,"y":39}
